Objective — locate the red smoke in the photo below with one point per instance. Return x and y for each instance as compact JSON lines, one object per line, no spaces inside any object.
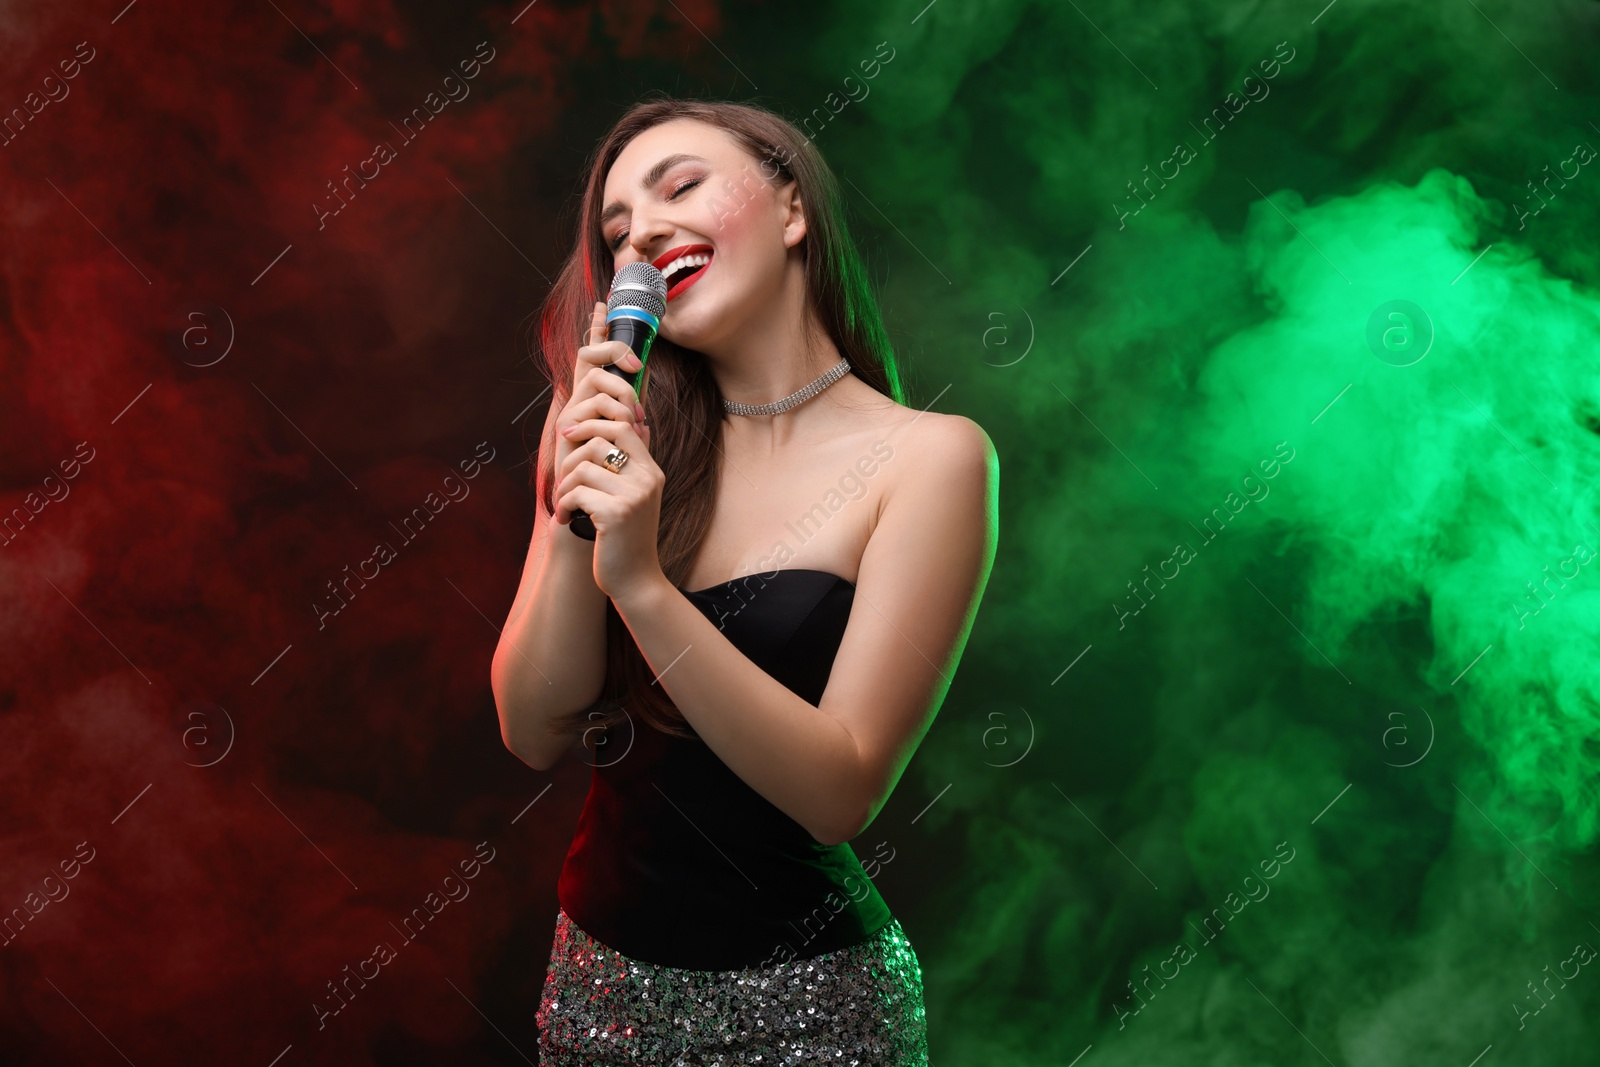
{"x":221,"y":399}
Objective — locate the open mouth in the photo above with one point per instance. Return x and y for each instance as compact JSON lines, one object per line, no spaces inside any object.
{"x":682,"y":267}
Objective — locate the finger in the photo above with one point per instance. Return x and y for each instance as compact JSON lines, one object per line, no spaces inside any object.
{"x":594,"y":335}
{"x":599,"y":380}
{"x":603,"y":430}
{"x":591,"y":378}
{"x":605,"y":403}
{"x":603,"y":352}
{"x":626,"y":437}
{"x":597,"y":406}
{"x":584,"y":432}
{"x":591,"y":476}
{"x":591,"y":454}
{"x":577,"y":499}
{"x":597,"y":440}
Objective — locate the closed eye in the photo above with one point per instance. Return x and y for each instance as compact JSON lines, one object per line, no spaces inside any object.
{"x":616,"y":242}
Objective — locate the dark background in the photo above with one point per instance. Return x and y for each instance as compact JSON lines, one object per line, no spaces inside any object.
{"x":1366,"y":661}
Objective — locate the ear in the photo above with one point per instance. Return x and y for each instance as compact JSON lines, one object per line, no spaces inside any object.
{"x":793,"y":213}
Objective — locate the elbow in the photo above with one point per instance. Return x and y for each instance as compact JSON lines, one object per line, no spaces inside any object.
{"x":849,"y":817}
{"x":500,"y":673}
{"x":501,"y":707}
{"x":497,"y":687}
{"x":842,"y":830}
{"x":829,"y":839}
{"x":539,"y":757}
{"x":537,"y":762}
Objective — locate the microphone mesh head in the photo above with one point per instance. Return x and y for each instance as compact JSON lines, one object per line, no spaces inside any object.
{"x":639,"y":285}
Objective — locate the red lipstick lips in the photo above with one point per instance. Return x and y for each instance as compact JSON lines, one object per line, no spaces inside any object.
{"x":685,"y":279}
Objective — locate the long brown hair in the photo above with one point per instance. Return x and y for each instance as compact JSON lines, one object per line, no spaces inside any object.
{"x":682,"y":401}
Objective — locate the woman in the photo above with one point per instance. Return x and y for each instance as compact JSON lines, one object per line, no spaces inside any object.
{"x":786,"y":567}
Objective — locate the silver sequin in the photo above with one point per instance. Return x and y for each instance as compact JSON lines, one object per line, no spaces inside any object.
{"x":859,"y":1006}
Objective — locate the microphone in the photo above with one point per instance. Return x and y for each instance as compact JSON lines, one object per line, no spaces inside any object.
{"x":634,"y":309}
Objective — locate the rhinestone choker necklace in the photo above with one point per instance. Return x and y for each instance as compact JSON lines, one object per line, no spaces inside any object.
{"x":799,"y":396}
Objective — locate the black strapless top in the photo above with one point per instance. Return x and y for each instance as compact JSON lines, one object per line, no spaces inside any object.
{"x":676,"y":861}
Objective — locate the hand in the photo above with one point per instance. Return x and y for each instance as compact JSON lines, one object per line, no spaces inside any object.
{"x":596,"y":392}
{"x":625,"y":507}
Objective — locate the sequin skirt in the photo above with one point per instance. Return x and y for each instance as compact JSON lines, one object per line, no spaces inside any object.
{"x":859,"y":1006}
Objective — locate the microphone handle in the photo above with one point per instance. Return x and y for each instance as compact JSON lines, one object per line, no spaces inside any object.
{"x":636,"y":335}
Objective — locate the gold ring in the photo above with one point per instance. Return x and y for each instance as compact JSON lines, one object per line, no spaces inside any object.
{"x":615,"y":459}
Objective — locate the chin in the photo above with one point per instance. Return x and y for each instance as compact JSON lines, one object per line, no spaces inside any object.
{"x":697,"y":327}
{"x":689,"y":336}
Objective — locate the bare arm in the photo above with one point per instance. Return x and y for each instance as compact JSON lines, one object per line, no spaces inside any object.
{"x":551,"y":659}
{"x":832,"y":767}
{"x":551,"y":656}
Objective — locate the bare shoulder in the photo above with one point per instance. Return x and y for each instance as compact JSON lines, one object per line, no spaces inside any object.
{"x":952,"y":450}
{"x":960,"y":439}
{"x":934,"y":541}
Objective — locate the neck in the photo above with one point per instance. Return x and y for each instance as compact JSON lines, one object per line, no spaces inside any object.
{"x":769,"y":358}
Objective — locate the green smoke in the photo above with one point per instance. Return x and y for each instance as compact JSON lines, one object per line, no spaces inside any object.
{"x":1378,"y":260}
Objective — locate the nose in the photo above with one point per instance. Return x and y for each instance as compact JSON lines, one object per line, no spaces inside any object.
{"x":648,"y":233}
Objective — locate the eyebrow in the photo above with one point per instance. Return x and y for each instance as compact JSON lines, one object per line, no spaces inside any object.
{"x":617,"y":207}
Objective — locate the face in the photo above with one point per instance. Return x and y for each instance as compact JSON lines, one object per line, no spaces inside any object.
{"x":713,"y":203}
